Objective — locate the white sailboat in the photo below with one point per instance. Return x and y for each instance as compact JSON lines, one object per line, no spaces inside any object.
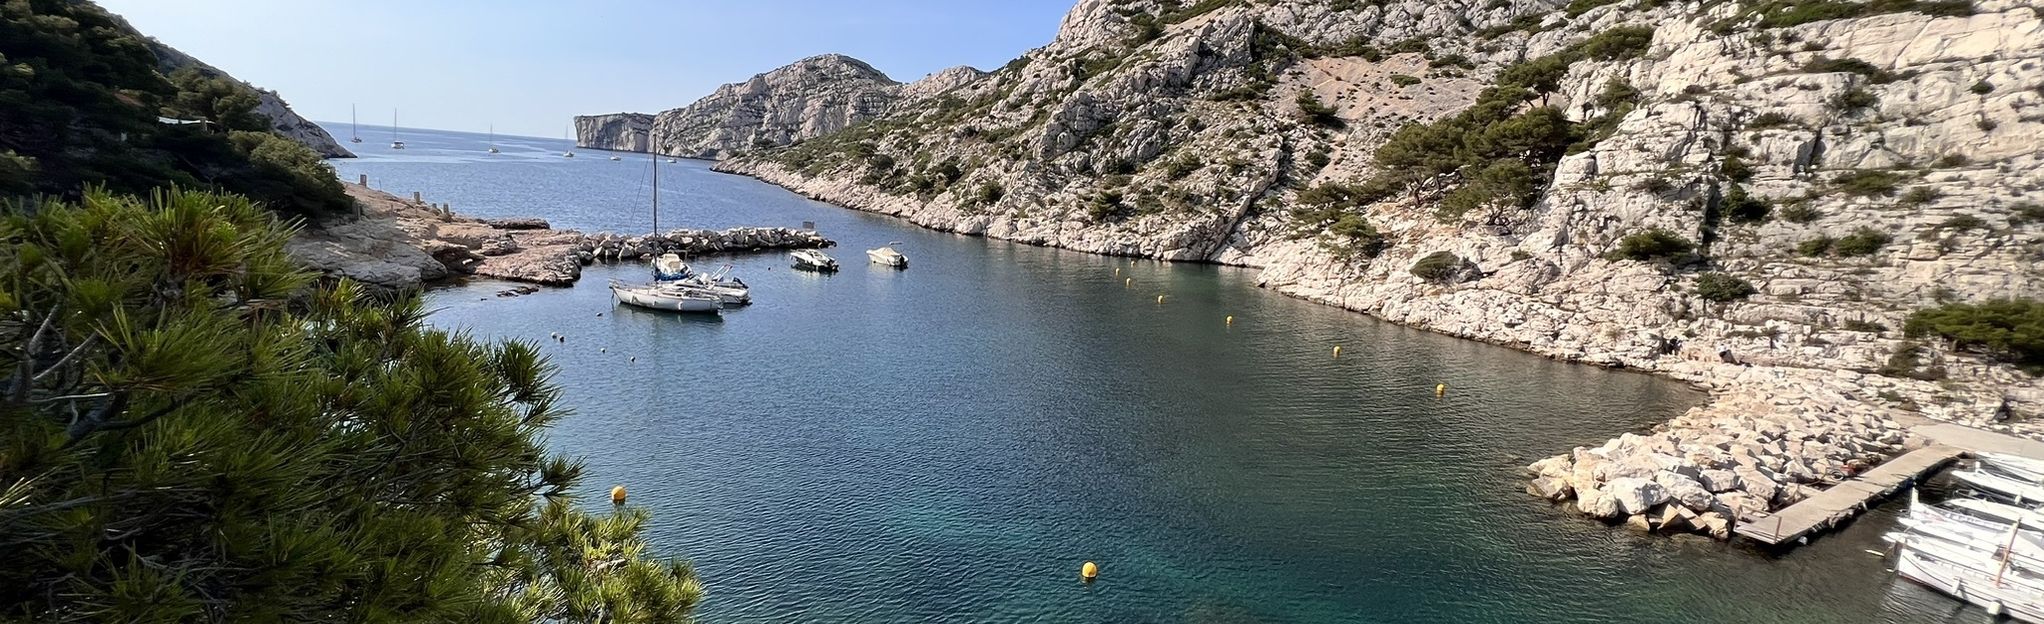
{"x":669,"y":297}
{"x":1972,"y":579}
{"x":493,"y":138}
{"x":394,"y":143}
{"x":354,"y":131}
{"x":570,"y":136}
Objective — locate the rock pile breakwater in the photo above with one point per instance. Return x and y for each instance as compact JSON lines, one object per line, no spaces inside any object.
{"x":401,"y":244}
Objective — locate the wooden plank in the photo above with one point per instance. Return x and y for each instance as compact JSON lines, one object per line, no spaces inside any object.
{"x":1834,"y":505}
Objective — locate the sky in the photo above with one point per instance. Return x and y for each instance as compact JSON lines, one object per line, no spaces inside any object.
{"x":526,"y":67}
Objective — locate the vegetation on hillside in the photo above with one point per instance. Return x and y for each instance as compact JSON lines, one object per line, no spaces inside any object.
{"x":190,"y":434}
{"x":2010,"y":330}
{"x":83,"y":94}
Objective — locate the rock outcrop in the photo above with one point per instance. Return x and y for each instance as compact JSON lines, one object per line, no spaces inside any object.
{"x":399,"y":244}
{"x":805,"y":99}
{"x":623,"y":132}
{"x":1250,"y":134}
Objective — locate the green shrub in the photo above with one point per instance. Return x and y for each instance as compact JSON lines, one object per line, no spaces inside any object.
{"x":1351,"y":236}
{"x":1452,"y":60}
{"x":1918,"y":196}
{"x":1317,"y":113}
{"x":2025,"y":213}
{"x":1868,"y":183}
{"x":1440,"y":266}
{"x":1735,"y":169}
{"x":1624,"y":42}
{"x":2009,"y":330}
{"x":1907,"y":362}
{"x":1861,"y":242}
{"x":1653,"y":244}
{"x":1855,"y":99}
{"x":1822,"y":65}
{"x":1744,"y":208}
{"x":1982,"y":88}
{"x":1656,"y":185}
{"x":988,"y":194}
{"x":1963,"y":222}
{"x":1722,"y":287}
{"x":1404,"y":80}
{"x":1817,"y":246}
{"x":1800,"y":213}
{"x":1954,"y":160}
{"x":1771,"y":119}
{"x":1863,"y":325}
{"x":1579,"y":7}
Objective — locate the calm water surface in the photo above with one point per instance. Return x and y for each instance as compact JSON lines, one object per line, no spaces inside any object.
{"x":949,"y":442}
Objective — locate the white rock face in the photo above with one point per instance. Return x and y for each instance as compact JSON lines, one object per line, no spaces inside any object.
{"x":805,"y":99}
{"x":1188,"y":142}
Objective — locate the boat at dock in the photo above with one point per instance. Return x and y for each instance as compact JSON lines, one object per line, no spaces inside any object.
{"x":813,"y":260}
{"x":2001,"y":486}
{"x":669,"y":297}
{"x":2013,"y":466}
{"x":1969,"y":577}
{"x":886,"y":255}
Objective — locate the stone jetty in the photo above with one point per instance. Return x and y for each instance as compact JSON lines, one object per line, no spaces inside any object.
{"x":398,"y":243}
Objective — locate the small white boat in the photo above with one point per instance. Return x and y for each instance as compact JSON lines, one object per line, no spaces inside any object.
{"x":1978,"y":579}
{"x":813,"y":260}
{"x":397,"y":145}
{"x":888,"y":256}
{"x":2014,"y":466}
{"x":616,"y":158}
{"x":669,"y":267}
{"x":493,"y":138}
{"x":567,"y":154}
{"x":1998,"y":484}
{"x":2000,"y":513}
{"x":731,"y":289}
{"x":669,"y":297}
{"x":670,"y":160}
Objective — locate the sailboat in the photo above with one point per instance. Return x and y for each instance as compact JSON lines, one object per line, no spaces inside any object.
{"x":670,"y":296}
{"x":354,"y":133}
{"x":493,"y":138}
{"x":569,"y":135}
{"x":394,"y":143}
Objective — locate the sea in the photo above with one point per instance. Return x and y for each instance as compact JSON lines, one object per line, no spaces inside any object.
{"x":952,"y":441}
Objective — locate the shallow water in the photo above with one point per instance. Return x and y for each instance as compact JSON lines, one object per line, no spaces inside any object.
{"x":949,"y":442}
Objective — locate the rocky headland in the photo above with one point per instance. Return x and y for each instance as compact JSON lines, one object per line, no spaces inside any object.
{"x":400,"y":244}
{"x":808,"y":98}
{"x":1752,"y":198}
{"x":270,"y":105}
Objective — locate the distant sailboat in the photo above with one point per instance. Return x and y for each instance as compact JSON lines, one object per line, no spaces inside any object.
{"x":493,"y":138}
{"x":394,"y":143}
{"x":354,"y":133}
{"x":569,"y":135}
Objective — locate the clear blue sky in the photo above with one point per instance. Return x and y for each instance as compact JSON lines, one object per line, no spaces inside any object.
{"x":527,"y":66}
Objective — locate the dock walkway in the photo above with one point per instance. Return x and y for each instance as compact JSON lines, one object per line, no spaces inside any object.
{"x":1842,"y":501}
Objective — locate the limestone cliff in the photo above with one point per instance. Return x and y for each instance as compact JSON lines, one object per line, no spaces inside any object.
{"x":624,"y":132}
{"x":282,"y":119}
{"x":805,"y":99}
{"x":1748,"y":196}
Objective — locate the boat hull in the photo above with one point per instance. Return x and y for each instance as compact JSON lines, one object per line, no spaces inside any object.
{"x":644,"y":298}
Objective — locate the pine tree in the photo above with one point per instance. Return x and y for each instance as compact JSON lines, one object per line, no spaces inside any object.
{"x":193,"y":430}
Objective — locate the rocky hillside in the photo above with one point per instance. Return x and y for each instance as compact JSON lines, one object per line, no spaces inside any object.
{"x":805,"y":99}
{"x":624,"y":132}
{"x":1754,"y":197}
{"x":271,"y":106}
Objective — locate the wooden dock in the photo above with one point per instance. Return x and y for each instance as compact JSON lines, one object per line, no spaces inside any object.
{"x":1832,"y":506}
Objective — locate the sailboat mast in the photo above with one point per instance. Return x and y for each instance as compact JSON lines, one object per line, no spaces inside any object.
{"x":656,"y":193}
{"x":353,"y":131}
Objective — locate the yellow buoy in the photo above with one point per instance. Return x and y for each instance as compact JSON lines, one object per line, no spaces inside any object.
{"x":1117,"y":271}
{"x":617,"y":495}
{"x":1337,"y":352}
{"x":1160,"y":298}
{"x":1088,"y":571}
{"x":1127,"y":282}
{"x":1441,"y":390}
{"x":1231,"y":320}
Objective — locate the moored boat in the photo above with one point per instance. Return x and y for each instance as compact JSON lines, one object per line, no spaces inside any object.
{"x":813,"y":260}
{"x":886,"y":255}
{"x":669,"y":267}
{"x":669,"y":297}
{"x":731,"y":289}
{"x":2013,"y":466}
{"x":2001,"y":485}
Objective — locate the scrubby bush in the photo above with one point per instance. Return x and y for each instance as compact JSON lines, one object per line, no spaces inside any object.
{"x":1854,"y":99}
{"x":1907,"y":362}
{"x":2009,"y":330}
{"x":1800,"y":213}
{"x":1404,"y":80}
{"x":1868,"y":183}
{"x":1861,"y":242}
{"x":1744,"y":208}
{"x":1770,"y":119}
{"x":1863,"y":325}
{"x":1653,"y":244}
{"x":1823,"y":65}
{"x":1962,"y":222}
{"x":1817,"y":246}
{"x":1735,"y":169}
{"x":1317,"y":113}
{"x":1722,"y":287}
{"x":1982,"y":88}
{"x":1440,"y":266}
{"x":2026,"y":213}
{"x":1918,"y":196}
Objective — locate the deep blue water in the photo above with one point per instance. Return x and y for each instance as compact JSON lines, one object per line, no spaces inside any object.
{"x":948,"y":443}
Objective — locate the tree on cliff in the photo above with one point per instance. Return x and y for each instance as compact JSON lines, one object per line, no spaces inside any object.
{"x":80,"y":94}
{"x":190,"y":431}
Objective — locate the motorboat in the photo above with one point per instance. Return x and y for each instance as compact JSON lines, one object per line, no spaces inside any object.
{"x":671,"y":161}
{"x":667,"y":296}
{"x":1999,"y":513}
{"x":397,"y":145}
{"x":731,"y":289}
{"x":670,"y":267}
{"x":2001,"y":485}
{"x":888,"y":256}
{"x":813,"y":260}
{"x":616,"y":158}
{"x":2014,"y":466}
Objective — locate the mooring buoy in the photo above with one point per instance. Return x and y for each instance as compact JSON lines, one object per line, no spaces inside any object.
{"x":1337,"y":352}
{"x":1441,"y":390}
{"x":617,"y":495}
{"x":1089,"y":570}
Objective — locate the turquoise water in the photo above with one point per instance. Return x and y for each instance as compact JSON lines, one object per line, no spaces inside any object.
{"x":948,"y":443}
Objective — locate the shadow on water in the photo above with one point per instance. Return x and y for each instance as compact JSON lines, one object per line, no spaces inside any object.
{"x":948,"y":442}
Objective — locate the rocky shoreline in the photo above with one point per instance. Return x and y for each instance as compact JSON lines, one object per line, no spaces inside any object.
{"x":400,"y":244}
